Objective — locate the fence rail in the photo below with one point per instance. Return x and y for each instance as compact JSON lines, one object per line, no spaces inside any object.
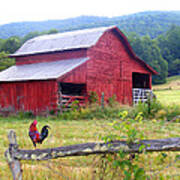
{"x":13,"y":154}
{"x":140,"y":95}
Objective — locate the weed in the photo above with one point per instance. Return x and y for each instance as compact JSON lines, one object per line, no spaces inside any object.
{"x":122,"y":164}
{"x":25,"y":114}
{"x":93,"y":97}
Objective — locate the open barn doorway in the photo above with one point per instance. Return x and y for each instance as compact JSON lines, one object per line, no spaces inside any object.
{"x":140,"y":80}
{"x":72,"y":89}
{"x":69,"y":92}
{"x":141,"y":87}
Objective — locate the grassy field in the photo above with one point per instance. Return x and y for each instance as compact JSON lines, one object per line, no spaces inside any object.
{"x":68,"y":132}
{"x":169,"y":93}
{"x":168,"y":97}
{"x":173,"y":83}
{"x":73,"y":132}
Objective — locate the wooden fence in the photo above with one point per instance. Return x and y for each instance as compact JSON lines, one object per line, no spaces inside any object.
{"x":141,"y":95}
{"x":13,"y":154}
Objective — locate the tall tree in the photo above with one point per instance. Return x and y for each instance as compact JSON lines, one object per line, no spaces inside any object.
{"x":11,"y":44}
{"x":170,"y":49}
{"x":149,"y":51}
{"x":30,"y":36}
{"x":5,"y":62}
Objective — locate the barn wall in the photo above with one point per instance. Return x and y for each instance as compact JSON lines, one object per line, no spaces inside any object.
{"x":48,"y":57}
{"x":33,"y":96}
{"x":110,"y":68}
{"x":78,"y":75}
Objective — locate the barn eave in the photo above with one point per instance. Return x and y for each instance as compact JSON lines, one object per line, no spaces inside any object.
{"x":48,"y":52}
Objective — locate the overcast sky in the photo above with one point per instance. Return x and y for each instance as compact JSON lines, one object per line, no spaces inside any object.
{"x":35,"y":10}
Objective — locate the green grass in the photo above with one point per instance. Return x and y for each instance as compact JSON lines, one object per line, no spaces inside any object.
{"x":173,"y":78}
{"x":169,"y":93}
{"x":79,"y":131}
{"x":168,"y":97}
{"x":173,"y":83}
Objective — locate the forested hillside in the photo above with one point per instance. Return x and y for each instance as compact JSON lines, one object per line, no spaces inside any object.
{"x":156,"y":41}
{"x":162,"y":53}
{"x":151,"y":23}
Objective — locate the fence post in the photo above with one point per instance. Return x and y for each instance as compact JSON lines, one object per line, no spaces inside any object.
{"x":102,"y":100}
{"x":13,"y":163}
{"x":149,"y":101}
{"x":60,"y":102}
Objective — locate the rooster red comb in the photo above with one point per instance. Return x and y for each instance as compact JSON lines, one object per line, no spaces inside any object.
{"x":35,"y":122}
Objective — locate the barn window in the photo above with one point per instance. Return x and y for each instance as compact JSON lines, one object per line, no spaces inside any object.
{"x":140,"y":80}
{"x":72,"y":89}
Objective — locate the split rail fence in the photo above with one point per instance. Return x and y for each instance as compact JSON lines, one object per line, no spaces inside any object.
{"x":14,"y":155}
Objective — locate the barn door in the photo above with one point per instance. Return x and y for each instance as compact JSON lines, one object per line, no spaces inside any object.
{"x":124,"y":85}
{"x":126,"y":92}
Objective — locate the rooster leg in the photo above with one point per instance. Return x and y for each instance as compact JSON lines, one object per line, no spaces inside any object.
{"x":34,"y":144}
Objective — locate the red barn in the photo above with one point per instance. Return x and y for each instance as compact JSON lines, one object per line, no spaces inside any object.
{"x":53,"y":68}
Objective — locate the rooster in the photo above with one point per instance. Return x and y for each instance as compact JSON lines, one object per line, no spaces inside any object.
{"x":34,"y":134}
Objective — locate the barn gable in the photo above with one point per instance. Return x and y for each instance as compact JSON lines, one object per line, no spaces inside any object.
{"x":114,"y":42}
{"x":113,"y":60}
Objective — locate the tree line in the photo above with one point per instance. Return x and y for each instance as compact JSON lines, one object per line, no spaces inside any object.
{"x":152,"y":23}
{"x":162,"y":52}
{"x":10,"y":45}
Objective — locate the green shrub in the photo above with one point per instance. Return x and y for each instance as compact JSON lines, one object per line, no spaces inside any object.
{"x":75,"y":105}
{"x":172,"y":112}
{"x":122,"y":164}
{"x":149,"y":110}
{"x":25,"y":114}
{"x":112,"y":100}
{"x":94,"y":111}
{"x":155,"y":111}
{"x":93,"y":97}
{"x":52,"y":112}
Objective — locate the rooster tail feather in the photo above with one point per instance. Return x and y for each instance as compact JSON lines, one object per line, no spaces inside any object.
{"x":44,"y":133}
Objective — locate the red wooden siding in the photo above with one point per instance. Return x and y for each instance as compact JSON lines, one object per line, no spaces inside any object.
{"x":110,"y":68}
{"x":50,"y":57}
{"x":77,"y":75}
{"x":33,"y":96}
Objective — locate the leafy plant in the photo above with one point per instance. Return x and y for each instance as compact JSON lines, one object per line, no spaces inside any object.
{"x":93,"y":97}
{"x":25,"y":114}
{"x":123,"y":164}
{"x":112,"y":100}
{"x":148,"y":110}
{"x":75,"y":105}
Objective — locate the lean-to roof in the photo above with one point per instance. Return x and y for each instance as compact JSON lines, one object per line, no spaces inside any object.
{"x":40,"y":71}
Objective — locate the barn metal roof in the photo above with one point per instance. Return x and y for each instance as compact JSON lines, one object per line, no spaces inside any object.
{"x":41,"y":71}
{"x":72,"y":40}
{"x":62,"y":41}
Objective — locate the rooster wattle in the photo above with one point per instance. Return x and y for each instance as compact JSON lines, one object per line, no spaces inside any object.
{"x":34,"y":134}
